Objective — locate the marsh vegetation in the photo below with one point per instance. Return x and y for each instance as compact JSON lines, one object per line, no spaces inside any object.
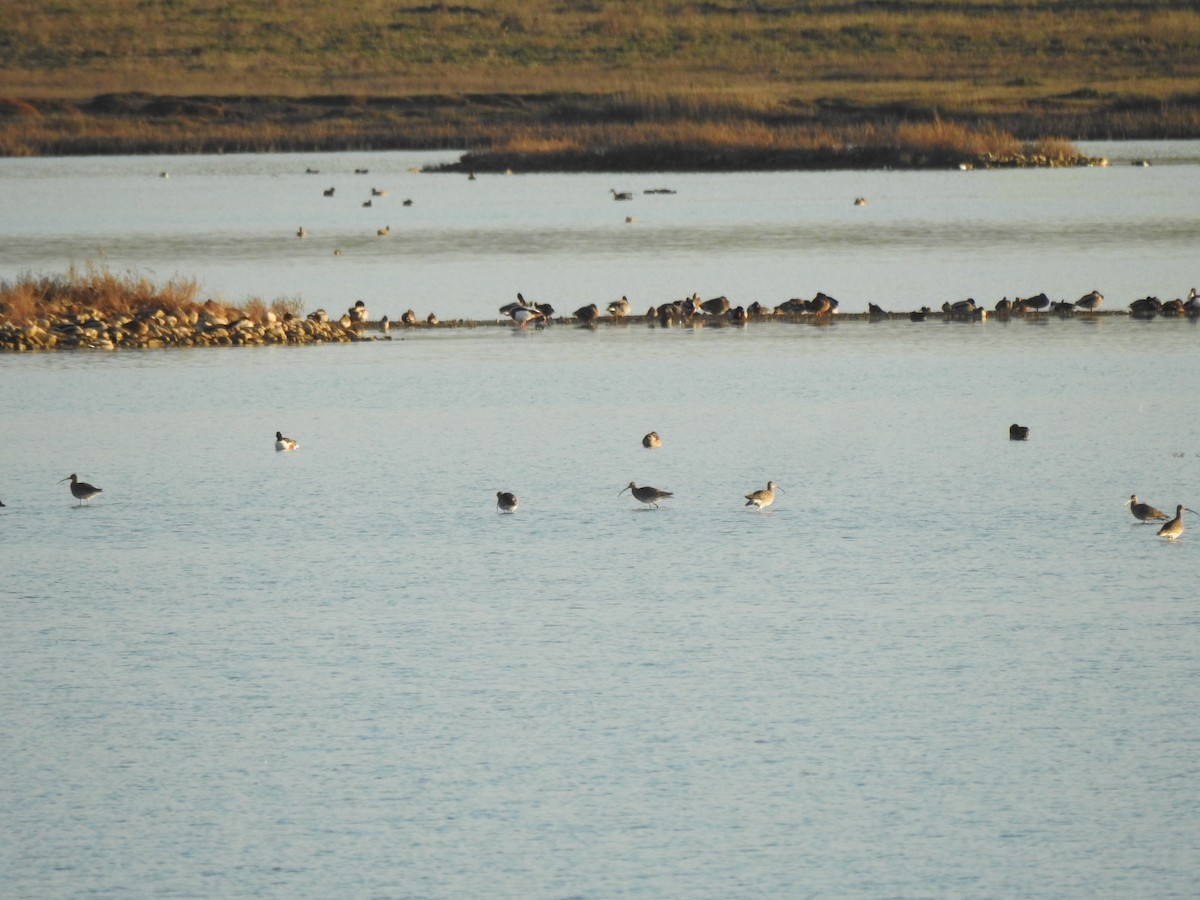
{"x":158,"y":76}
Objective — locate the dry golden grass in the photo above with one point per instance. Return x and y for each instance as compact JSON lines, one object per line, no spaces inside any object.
{"x":283,"y":306}
{"x":955,"y":140}
{"x":97,"y":291}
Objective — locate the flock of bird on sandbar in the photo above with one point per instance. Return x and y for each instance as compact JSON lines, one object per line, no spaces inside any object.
{"x":821,"y":305}
{"x":506,"y":501}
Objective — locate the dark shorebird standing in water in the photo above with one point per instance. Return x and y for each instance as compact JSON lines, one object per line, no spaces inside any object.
{"x":764,"y":498}
{"x":646,"y":494}
{"x":1145,"y":308}
{"x":81,"y":490}
{"x":652,"y":441}
{"x":1018,"y":432}
{"x":1173,"y":529}
{"x":1143,"y":512}
{"x":284,"y":443}
{"x":506,"y":502}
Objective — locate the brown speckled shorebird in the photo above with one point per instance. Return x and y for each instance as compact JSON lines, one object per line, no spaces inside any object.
{"x":506,"y":502}
{"x":1143,"y":512}
{"x":764,"y":498}
{"x":82,"y":491}
{"x":1018,"y":432}
{"x":1173,"y":529}
{"x":652,"y":441}
{"x":587,"y":314}
{"x":646,"y":494}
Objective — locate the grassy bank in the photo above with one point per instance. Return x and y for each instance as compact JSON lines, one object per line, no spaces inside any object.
{"x":119,"y":76}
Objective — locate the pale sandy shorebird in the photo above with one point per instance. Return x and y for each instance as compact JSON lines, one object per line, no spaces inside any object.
{"x":1018,"y":432}
{"x":1143,"y":512}
{"x":860,"y":201}
{"x":619,"y":309}
{"x":506,"y":502}
{"x":432,"y":319}
{"x":284,"y":443}
{"x":1173,"y":529}
{"x":384,"y":231}
{"x":409,"y":317}
{"x":81,"y":490}
{"x":1090,"y":301}
{"x":764,"y":498}
{"x":652,"y":441}
{"x":646,"y":494}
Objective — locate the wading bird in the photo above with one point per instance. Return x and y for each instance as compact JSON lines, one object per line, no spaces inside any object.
{"x":81,"y":490}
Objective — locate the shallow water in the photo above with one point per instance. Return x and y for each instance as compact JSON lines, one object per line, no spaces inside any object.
{"x":942,"y":664}
{"x":465,"y":247}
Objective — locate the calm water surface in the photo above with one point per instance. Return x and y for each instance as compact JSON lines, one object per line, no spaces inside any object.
{"x":465,"y":247}
{"x":942,"y":664}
